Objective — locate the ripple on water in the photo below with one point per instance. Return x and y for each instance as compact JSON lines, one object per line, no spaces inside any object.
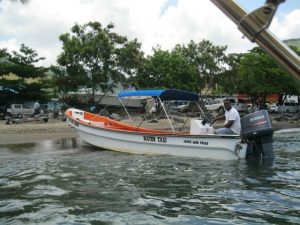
{"x":7,"y":183}
{"x":13,"y":205}
{"x":146,"y":202}
{"x":46,"y":213}
{"x":88,"y":186}
{"x":66,"y":175}
{"x":43,"y":178}
{"x":288,"y":175}
{"x":47,"y":190}
{"x":151,"y":218}
{"x":26,"y":173}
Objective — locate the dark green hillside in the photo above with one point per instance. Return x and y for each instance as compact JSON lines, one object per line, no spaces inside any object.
{"x":294,"y":42}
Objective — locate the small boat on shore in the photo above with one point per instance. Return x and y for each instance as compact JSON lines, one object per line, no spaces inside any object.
{"x":200,"y":141}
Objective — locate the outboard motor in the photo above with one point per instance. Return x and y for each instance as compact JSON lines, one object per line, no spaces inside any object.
{"x":258,"y":133}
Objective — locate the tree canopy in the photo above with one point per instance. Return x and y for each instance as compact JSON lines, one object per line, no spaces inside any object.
{"x":187,"y":67}
{"x":166,"y":69}
{"x":208,"y":58}
{"x":19,"y":74}
{"x":95,"y":57}
{"x":258,"y":75}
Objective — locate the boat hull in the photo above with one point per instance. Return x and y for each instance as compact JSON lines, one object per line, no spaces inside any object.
{"x":200,"y":146}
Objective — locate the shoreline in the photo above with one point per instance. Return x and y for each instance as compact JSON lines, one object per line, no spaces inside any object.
{"x":35,"y":131}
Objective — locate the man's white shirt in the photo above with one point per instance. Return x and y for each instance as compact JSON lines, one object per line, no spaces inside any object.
{"x":233,"y":114}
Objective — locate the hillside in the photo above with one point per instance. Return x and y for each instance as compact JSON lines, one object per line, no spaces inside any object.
{"x":294,"y":42}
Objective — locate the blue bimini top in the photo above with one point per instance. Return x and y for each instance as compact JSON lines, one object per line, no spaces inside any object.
{"x":164,"y":95}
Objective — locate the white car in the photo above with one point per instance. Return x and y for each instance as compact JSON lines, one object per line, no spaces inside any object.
{"x":239,"y":104}
{"x":214,"y":105}
{"x":273,"y":108}
{"x":289,"y":107}
{"x":180,"y":106}
{"x":19,"y":109}
{"x":217,"y":104}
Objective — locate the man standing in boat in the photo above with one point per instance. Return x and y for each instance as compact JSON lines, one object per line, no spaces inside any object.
{"x":232,"y":123}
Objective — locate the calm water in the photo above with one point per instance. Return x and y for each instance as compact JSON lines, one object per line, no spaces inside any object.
{"x":70,"y":182}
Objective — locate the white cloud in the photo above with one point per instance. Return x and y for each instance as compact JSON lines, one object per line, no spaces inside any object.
{"x":288,"y":27}
{"x":10,"y":44}
{"x":39,"y":23}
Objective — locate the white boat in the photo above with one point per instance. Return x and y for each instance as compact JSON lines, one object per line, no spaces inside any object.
{"x":199,"y":142}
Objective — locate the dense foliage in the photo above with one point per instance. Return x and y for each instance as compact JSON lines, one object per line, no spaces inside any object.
{"x":20,"y":79}
{"x":96,"y":58}
{"x":257,"y":74}
{"x":169,"y":70}
{"x":188,"y":67}
{"x":209,"y":60}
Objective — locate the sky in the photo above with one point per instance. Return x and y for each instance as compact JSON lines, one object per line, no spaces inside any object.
{"x":166,"y":23}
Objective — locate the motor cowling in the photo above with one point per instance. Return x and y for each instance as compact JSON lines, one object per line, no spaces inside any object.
{"x":257,"y":131}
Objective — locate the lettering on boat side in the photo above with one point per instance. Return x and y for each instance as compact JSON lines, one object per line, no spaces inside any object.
{"x":162,"y":139}
{"x":195,"y":142}
{"x":155,"y":139}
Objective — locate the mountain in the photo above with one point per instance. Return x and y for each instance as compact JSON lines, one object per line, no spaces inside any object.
{"x":294,"y":42}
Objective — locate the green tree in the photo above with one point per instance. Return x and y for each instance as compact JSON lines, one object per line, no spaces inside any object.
{"x":130,"y":58}
{"x":166,"y":69}
{"x":229,"y":81}
{"x":5,"y":64}
{"x":258,"y":75}
{"x":209,"y":59}
{"x":29,"y":82}
{"x":187,"y":67}
{"x":96,"y":57}
{"x":61,"y":82}
{"x":24,"y":63}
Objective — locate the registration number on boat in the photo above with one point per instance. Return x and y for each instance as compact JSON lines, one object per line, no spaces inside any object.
{"x":195,"y":142}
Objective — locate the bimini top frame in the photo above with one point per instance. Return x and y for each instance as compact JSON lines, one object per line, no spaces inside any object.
{"x":160,"y":95}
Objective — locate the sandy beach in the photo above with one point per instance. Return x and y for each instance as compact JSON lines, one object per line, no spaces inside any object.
{"x":55,"y":129}
{"x":35,"y":131}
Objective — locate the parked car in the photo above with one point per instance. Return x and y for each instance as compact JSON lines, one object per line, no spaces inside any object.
{"x":18,"y":110}
{"x":239,"y":104}
{"x":273,"y":108}
{"x":180,"y":106}
{"x":291,"y":107}
{"x":216,"y":104}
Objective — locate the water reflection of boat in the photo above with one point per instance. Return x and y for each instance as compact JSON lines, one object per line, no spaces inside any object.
{"x":199,"y":141}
